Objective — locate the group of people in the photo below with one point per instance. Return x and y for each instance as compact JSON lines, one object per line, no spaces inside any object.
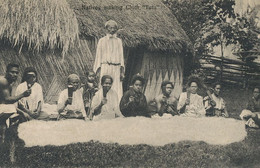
{"x":105,"y":99}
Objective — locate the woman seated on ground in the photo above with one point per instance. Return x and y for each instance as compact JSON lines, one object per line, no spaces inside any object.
{"x":214,"y":104}
{"x":190,"y":103}
{"x":252,"y":113}
{"x":105,"y":102}
{"x":70,"y":103}
{"x":133,"y":103}
{"x":30,"y":107}
{"x":166,"y":102}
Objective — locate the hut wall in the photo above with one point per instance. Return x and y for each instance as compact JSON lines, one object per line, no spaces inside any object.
{"x":159,"y":66}
{"x":52,"y":69}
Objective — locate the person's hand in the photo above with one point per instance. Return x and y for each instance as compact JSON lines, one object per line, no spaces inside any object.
{"x":131,"y":99}
{"x":213,"y":103}
{"x":103,"y":101}
{"x":187,"y":102}
{"x":69,"y":101}
{"x":170,"y":110}
{"x":163,"y":100}
{"x":27,"y":93}
{"x":122,"y":76}
{"x":226,"y":115}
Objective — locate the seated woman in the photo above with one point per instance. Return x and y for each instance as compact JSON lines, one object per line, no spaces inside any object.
{"x":105,"y":102}
{"x":252,"y":112}
{"x":166,"y":102}
{"x":30,"y":107}
{"x":70,"y":103}
{"x":214,"y":104}
{"x":190,"y":103}
{"x":133,"y":103}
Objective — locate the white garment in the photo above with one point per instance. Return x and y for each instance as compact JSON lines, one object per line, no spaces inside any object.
{"x":220,"y":103}
{"x":110,"y":58}
{"x":108,"y":110}
{"x":195,"y":108}
{"x":35,"y":97}
{"x":77,"y":102}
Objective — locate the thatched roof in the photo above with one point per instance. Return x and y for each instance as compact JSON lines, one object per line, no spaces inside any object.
{"x":150,"y":24}
{"x":38,"y":24}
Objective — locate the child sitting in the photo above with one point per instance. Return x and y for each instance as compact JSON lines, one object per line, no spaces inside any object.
{"x":89,"y":89}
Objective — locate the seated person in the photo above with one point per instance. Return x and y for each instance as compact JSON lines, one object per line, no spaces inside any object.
{"x":190,"y":103}
{"x":252,"y":112}
{"x":31,"y":106}
{"x":105,"y":102}
{"x":166,"y":103}
{"x":214,"y":104}
{"x":70,"y":103}
{"x":89,"y":90}
{"x":133,"y":103}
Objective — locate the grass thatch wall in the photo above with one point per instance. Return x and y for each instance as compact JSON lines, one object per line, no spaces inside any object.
{"x":38,"y":24}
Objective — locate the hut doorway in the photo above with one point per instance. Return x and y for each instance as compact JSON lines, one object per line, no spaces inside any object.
{"x":133,"y":65}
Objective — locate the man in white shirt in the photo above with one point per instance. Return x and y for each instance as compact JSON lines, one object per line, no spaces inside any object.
{"x":109,"y":57}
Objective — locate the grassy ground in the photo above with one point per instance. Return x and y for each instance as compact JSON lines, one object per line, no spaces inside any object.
{"x":183,"y":154}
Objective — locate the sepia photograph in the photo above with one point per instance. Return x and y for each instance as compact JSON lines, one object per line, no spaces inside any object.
{"x":130,"y":83}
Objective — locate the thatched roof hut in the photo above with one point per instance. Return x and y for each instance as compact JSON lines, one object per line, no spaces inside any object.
{"x":154,"y":43}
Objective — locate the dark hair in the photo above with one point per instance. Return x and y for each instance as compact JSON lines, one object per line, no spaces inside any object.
{"x":11,"y":65}
{"x":26,"y":71}
{"x":164,"y":83}
{"x":104,"y":77}
{"x":137,"y":77}
{"x":90,"y":71}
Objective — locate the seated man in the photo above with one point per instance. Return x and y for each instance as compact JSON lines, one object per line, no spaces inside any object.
{"x":7,"y":107}
{"x":190,"y":103}
{"x":105,"y":102}
{"x":133,"y":103}
{"x":70,"y":103}
{"x":214,"y":104}
{"x":31,"y":106}
{"x":166,"y":103}
{"x":252,"y":112}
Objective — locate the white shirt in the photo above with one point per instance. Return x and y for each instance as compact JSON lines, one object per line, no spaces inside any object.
{"x":195,"y":108}
{"x":30,"y":102}
{"x":77,"y":101}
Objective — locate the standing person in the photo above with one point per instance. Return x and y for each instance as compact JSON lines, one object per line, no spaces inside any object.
{"x":252,"y":112}
{"x":133,"y":103}
{"x":218,"y":107}
{"x":109,"y":57}
{"x":70,"y":103}
{"x":166,"y":102}
{"x":105,"y":104}
{"x":31,"y":106}
{"x":89,"y":90}
{"x":7,"y":107}
{"x":190,"y":103}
